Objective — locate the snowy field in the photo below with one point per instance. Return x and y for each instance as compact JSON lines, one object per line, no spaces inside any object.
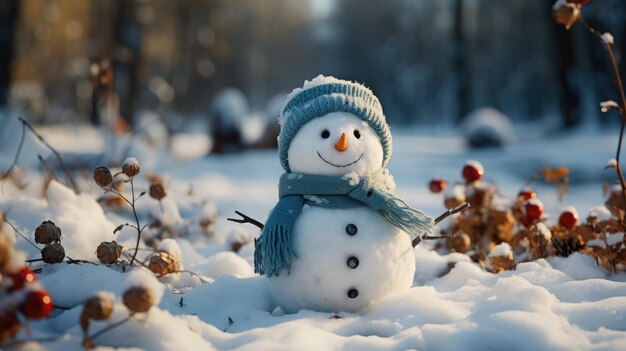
{"x":554,"y":304}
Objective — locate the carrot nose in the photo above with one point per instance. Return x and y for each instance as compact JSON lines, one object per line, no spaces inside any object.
{"x":341,"y":144}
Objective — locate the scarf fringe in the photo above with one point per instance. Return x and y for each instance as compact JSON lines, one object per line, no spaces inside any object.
{"x":272,"y":251}
{"x":414,"y":222}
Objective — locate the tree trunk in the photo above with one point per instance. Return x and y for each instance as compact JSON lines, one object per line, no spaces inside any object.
{"x":459,"y":65}
{"x":564,"y":64}
{"x":8,"y":19}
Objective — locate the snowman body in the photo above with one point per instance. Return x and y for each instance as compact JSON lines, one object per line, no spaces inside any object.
{"x":347,"y":259}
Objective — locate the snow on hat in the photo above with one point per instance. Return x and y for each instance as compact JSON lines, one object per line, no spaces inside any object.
{"x":324,"y":95}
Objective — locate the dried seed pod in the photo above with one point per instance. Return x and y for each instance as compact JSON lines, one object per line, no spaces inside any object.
{"x":109,"y":252}
{"x":158,"y":191}
{"x":501,"y":263}
{"x":47,"y":233}
{"x":566,"y":13}
{"x":138,"y":299}
{"x":162,"y":262}
{"x":98,"y":307}
{"x":501,"y":258}
{"x":131,"y":167}
{"x":102,"y":176}
{"x":460,"y":243}
{"x":53,"y":253}
{"x":454,"y":196}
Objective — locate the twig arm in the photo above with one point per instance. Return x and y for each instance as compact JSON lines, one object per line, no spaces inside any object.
{"x":452,"y":211}
{"x":443,"y":216}
{"x":246,"y":219}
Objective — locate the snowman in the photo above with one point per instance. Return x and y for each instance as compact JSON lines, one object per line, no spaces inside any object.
{"x":338,"y":239}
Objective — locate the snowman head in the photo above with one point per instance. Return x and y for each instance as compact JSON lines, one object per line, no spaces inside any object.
{"x":333,"y":127}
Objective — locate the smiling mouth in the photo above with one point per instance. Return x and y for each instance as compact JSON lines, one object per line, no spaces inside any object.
{"x":346,"y":165}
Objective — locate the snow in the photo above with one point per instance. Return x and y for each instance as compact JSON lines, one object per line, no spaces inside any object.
{"x":612,"y":163}
{"x":170,"y":246}
{"x":607,"y":38}
{"x":309,"y":153}
{"x":605,"y":106}
{"x":187,"y":147}
{"x":560,"y":303}
{"x":319,"y":80}
{"x":479,"y":167}
{"x":543,"y":231}
{"x":130,"y":162}
{"x":456,"y":191}
{"x":488,"y":127}
{"x":143,"y":279}
{"x":502,"y":250}
{"x":601,"y":213}
{"x":320,"y":277}
{"x":336,"y":271}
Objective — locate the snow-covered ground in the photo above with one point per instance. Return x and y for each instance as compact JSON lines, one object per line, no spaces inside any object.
{"x":555,"y":304}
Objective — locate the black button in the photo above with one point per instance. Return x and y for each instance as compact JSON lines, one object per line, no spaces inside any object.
{"x":352,"y":293}
{"x":351,"y":229}
{"x":369,"y":193}
{"x":353,"y":262}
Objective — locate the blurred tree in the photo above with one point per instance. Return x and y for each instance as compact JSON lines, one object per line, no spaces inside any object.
{"x":565,"y":66}
{"x":126,"y":56}
{"x":8,"y":17}
{"x":459,"y":58}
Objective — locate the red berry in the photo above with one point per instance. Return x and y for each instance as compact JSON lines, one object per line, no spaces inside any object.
{"x":36,"y":305}
{"x":527,"y":194}
{"x":21,"y":278}
{"x":437,"y":185}
{"x":525,"y":221}
{"x":473,"y":171}
{"x":534,"y":209}
{"x":568,"y":219}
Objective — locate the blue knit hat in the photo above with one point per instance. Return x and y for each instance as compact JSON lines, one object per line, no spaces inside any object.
{"x":324,"y":95}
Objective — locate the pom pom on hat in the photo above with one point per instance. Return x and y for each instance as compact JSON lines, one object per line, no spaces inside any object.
{"x":324,"y":95}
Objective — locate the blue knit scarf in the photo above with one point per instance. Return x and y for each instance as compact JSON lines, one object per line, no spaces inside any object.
{"x":275,"y":245}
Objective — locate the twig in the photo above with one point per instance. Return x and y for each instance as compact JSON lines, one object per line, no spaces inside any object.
{"x":46,"y":168}
{"x":22,"y":235}
{"x":72,"y":261}
{"x":622,"y":111}
{"x":186,"y":271}
{"x":443,"y":216}
{"x":451,"y":212}
{"x":66,"y":170}
{"x":132,"y":189}
{"x":137,"y":227}
{"x":246,"y":219}
{"x":108,"y":328}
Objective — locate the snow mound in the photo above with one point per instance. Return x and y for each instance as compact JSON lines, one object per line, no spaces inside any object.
{"x":488,"y":127}
{"x":143,"y":279}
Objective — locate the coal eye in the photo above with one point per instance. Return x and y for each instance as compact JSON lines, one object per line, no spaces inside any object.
{"x":325,"y":133}
{"x":357,"y":134}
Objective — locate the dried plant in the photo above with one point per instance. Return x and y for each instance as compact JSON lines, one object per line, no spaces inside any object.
{"x":103,"y":177}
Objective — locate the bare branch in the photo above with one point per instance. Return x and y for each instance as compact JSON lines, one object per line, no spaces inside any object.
{"x":443,"y":216}
{"x":66,"y":170}
{"x":246,"y":219}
